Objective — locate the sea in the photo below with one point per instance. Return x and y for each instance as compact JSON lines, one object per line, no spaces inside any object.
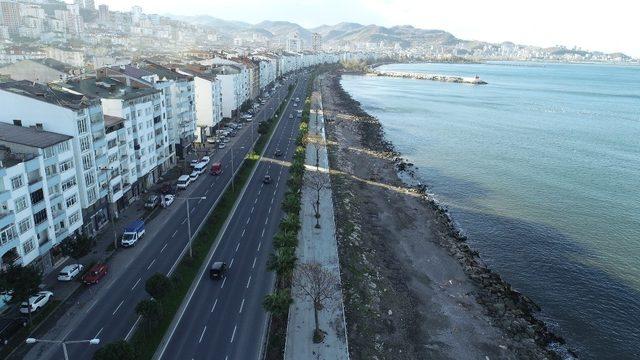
{"x":540,"y":168}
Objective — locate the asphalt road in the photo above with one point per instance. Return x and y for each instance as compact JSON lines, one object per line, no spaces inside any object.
{"x":109,"y":313}
{"x":224,"y":319}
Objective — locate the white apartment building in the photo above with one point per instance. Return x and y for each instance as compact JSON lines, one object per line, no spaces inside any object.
{"x":268,"y":69}
{"x":208,"y":99}
{"x":39,"y":195}
{"x":73,"y":115}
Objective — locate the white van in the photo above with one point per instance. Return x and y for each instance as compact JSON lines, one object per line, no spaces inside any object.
{"x":200,"y":168}
{"x":183,"y":182}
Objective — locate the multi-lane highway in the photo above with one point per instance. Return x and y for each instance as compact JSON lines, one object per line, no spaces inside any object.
{"x":107,"y":311}
{"x":224,"y":319}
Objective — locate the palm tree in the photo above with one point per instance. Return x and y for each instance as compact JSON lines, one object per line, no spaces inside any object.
{"x":290,"y":222}
{"x":283,"y":261}
{"x":278,"y":302}
{"x":285,"y":238}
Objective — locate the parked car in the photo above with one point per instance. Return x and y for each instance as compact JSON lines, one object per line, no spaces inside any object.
{"x":183,"y":182}
{"x":95,"y":274}
{"x":194,"y":162}
{"x":221,"y":146}
{"x":69,"y":272}
{"x":194,"y":176}
{"x":168,"y":200}
{"x":200,"y":168}
{"x":36,"y":302}
{"x":239,"y":126}
{"x":278,"y":153}
{"x":226,"y":140}
{"x":9,"y":327}
{"x":218,"y":269}
{"x":267,"y":179}
{"x":152,"y":202}
{"x":132,"y":233}
{"x":205,"y":159}
{"x":216,"y":169}
{"x":290,"y":116}
{"x":233,"y":133}
{"x":212,"y":140}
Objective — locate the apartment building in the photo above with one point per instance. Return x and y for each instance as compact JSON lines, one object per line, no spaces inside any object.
{"x":39,"y":195}
{"x":71,"y":114}
{"x":208,"y":99}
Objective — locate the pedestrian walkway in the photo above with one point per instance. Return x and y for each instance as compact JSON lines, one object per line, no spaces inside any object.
{"x":317,"y":245}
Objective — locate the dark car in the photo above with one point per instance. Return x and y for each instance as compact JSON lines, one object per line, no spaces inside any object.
{"x":9,"y":327}
{"x":95,"y":274}
{"x":217,"y":270}
{"x":278,"y":153}
{"x":152,"y":202}
{"x":267,"y":179}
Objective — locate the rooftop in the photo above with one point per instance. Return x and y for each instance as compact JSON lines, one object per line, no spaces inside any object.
{"x":108,"y":88}
{"x":30,"y":136}
{"x":47,"y":94}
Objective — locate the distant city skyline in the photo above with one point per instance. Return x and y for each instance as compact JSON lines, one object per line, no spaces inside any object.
{"x":592,"y":25}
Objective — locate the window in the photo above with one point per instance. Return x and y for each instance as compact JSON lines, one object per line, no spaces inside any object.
{"x":74,"y":218}
{"x":51,"y":170}
{"x":49,"y":152}
{"x":72,"y":200}
{"x":67,"y":165}
{"x":112,"y":143}
{"x":17,"y":182}
{"x":85,"y":143}
{"x":28,"y":246}
{"x":40,"y":216}
{"x":91,"y":195}
{"x":82,"y":126}
{"x":62,"y":147}
{"x":69,"y":183}
{"x":24,"y":225}
{"x":21,"y":203}
{"x":87,"y":162}
{"x":7,"y":234}
{"x":37,"y":196}
{"x":54,"y":190}
{"x":89,"y":178}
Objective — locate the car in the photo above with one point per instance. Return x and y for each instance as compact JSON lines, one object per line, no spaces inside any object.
{"x":152,"y":202}
{"x":267,"y":179}
{"x":183,"y":182}
{"x":69,"y":272}
{"x":37,"y":301}
{"x":226,"y":140}
{"x":216,"y":169}
{"x":221,"y":146}
{"x":194,"y":162}
{"x":194,"y":175}
{"x":290,"y":116}
{"x":239,"y":126}
{"x":217,"y":270}
{"x":278,"y":153}
{"x":168,"y":200}
{"x":212,"y":140}
{"x":9,"y":327}
{"x":249,"y":119}
{"x":205,"y":159}
{"x":233,"y":133}
{"x":95,"y":274}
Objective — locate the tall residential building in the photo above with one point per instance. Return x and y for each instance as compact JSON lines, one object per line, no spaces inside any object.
{"x":39,"y":196}
{"x":208,"y":99}
{"x":90,"y":5}
{"x":294,"y":43}
{"x":103,"y":13}
{"x":316,"y":42}
{"x":74,"y":115}
{"x":10,"y":11}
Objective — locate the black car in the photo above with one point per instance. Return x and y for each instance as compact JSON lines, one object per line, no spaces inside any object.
{"x":278,"y":153}
{"x":9,"y":327}
{"x":217,"y":270}
{"x":267,"y":179}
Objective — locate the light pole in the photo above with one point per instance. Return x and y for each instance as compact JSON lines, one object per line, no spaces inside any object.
{"x":233,"y":173}
{"x":189,"y":218}
{"x":63,"y":342}
{"x":113,"y":223}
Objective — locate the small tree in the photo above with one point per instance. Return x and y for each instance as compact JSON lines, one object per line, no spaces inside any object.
{"x":77,"y":247}
{"x":311,"y":280}
{"x":158,"y":286}
{"x":285,"y":238}
{"x":291,"y":202}
{"x":316,"y":181}
{"x":119,"y":350}
{"x":23,"y":281}
{"x":278,"y":302}
{"x":283,"y":261}
{"x":291,"y":222}
{"x":151,"y":312}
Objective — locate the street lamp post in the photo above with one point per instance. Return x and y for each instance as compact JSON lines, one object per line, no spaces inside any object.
{"x":189,"y":219}
{"x":63,"y":342}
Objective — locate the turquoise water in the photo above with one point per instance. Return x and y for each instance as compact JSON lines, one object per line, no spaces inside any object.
{"x":541,"y":169}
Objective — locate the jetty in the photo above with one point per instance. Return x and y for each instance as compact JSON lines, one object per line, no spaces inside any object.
{"x":433,"y":77}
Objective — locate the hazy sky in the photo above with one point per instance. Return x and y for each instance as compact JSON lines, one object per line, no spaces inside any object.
{"x":611,"y":25}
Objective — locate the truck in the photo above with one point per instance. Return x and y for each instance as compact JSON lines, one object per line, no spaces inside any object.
{"x":132,"y":233}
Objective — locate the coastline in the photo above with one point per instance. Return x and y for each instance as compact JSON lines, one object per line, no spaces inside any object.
{"x":505,"y":317}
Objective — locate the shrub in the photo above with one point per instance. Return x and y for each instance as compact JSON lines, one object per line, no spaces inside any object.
{"x":119,"y":350}
{"x":158,"y":286}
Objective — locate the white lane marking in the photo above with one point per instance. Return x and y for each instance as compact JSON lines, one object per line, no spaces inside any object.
{"x":98,"y":334}
{"x":233,"y":336}
{"x":136,"y":284}
{"x":116,"y":310}
{"x":269,"y":210}
{"x":149,"y":267}
{"x":92,"y":305}
{"x":252,"y":208}
{"x":259,"y":191}
{"x":199,"y":201}
{"x":273,"y":198}
{"x":231,"y":263}
{"x":223,"y":281}
{"x":243,"y":230}
{"x":206,"y":192}
{"x":175,"y":232}
{"x":266,"y":221}
{"x":241,"y":306}
{"x":248,"y":221}
{"x":262,"y":235}
{"x":165,"y":245}
{"x":211,"y":185}
{"x":254,"y":262}
{"x":194,"y":209}
{"x":248,"y":283}
{"x":259,"y":245}
{"x":202,"y":335}
{"x":184,"y":221}
{"x":214,"y":305}
{"x":255,"y":201}
{"x":238,"y":246}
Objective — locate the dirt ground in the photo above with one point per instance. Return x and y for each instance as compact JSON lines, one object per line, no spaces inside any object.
{"x":407,"y":296}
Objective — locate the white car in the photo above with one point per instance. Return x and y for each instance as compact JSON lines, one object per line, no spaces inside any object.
{"x":194,"y":175}
{"x":194,"y":162}
{"x":36,"y":302}
{"x":239,"y":126}
{"x":226,"y":140}
{"x":168,"y":200}
{"x":205,"y":159}
{"x":222,"y":146}
{"x":212,"y":140}
{"x":69,"y":272}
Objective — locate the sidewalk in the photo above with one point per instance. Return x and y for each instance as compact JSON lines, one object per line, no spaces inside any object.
{"x":317,"y":245}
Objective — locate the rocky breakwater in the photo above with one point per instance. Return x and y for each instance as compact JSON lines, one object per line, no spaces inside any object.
{"x":433,"y":77}
{"x":510,"y":310}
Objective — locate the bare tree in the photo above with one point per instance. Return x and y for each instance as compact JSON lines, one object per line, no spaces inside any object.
{"x":311,"y":280}
{"x":316,"y":181}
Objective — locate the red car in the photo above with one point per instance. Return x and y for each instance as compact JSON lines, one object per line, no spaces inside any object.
{"x":216,"y":169}
{"x":97,"y":272}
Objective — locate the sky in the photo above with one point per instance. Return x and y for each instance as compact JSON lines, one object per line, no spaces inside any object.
{"x":609,"y":26}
